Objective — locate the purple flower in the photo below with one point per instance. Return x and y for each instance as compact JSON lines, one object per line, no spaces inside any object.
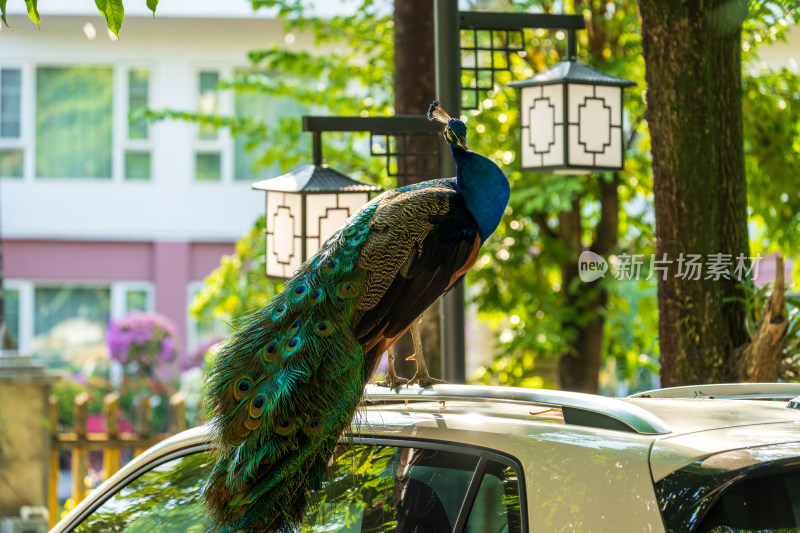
{"x":143,"y":339}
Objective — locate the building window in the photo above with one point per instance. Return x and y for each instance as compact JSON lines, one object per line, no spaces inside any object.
{"x":74,"y":122}
{"x":210,"y":147}
{"x":70,"y":324}
{"x":65,"y":324}
{"x":137,"y":144}
{"x":11,"y":310}
{"x":264,"y":108}
{"x":11,"y":151}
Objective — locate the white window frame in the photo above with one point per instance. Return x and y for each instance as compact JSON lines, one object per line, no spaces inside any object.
{"x":223,"y":143}
{"x":26,"y":288}
{"x":24,"y":312}
{"x":119,"y":296}
{"x":192,"y":340}
{"x":121,"y":127}
{"x":119,"y":120}
{"x":23,"y":141}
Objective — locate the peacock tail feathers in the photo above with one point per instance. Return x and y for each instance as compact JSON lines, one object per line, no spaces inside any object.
{"x":284,"y":386}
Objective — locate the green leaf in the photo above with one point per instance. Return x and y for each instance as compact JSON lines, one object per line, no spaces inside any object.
{"x":33,"y":13}
{"x":3,"y":13}
{"x":151,"y":4}
{"x":113,"y":11}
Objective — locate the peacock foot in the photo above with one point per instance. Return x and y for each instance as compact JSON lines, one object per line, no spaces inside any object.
{"x":392,"y":381}
{"x":426,"y":381}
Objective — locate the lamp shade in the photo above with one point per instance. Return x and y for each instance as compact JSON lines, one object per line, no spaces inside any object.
{"x":304,"y":208}
{"x":571,"y":120}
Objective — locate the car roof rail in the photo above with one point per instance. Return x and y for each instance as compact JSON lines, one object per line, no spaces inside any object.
{"x":577,"y":408}
{"x":728,"y":391}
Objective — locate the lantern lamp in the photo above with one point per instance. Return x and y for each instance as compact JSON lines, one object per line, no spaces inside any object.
{"x":571,"y":120}
{"x":304,"y":208}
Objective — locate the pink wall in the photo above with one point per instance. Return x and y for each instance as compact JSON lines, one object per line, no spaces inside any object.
{"x":170,"y":266}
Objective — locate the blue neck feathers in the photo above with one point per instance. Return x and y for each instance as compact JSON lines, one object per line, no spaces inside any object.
{"x":484,"y":188}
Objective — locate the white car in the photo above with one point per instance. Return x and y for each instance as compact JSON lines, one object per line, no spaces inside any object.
{"x":711,"y":458}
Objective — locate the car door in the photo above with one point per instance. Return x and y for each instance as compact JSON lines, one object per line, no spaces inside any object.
{"x":372,"y":485}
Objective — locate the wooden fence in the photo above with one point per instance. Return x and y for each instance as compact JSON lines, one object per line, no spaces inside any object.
{"x":112,"y":442}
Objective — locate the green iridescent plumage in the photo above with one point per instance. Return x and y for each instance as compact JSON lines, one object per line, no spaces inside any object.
{"x":284,"y":387}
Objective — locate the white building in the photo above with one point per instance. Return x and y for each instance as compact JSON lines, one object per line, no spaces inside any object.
{"x":100,"y":216}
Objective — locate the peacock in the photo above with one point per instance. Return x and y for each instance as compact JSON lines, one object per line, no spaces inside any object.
{"x":285,"y":386}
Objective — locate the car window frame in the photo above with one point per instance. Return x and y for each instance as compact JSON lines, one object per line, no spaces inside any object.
{"x":484,"y":456}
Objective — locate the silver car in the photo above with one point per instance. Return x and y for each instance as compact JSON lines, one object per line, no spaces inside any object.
{"x":712,"y":458}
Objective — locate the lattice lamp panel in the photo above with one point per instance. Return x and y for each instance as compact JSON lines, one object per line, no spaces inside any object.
{"x":571,"y":128}
{"x":297,"y":225}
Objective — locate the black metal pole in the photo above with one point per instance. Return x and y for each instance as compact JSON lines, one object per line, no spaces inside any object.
{"x":316,"y":147}
{"x":447,"y":25}
{"x":572,"y":45}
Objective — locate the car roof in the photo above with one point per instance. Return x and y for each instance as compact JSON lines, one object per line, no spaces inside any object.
{"x":481,"y":414}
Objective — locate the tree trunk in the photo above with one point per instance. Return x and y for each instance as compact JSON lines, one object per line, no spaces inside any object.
{"x":694,"y":111}
{"x":579,"y":369}
{"x":414,"y":90}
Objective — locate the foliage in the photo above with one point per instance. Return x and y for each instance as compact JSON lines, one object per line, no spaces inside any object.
{"x":142,"y":341}
{"x":771,"y":118}
{"x":112,"y":10}
{"x":364,"y":53}
{"x":130,"y":392}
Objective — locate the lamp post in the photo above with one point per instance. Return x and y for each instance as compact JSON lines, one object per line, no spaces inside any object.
{"x":307,"y":205}
{"x":603,"y":105}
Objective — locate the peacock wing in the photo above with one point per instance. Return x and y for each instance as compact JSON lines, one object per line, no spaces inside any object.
{"x":421,"y":241}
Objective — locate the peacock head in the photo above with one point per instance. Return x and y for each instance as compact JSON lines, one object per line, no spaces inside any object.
{"x":455,"y":131}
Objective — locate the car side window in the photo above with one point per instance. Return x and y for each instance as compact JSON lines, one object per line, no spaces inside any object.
{"x":405,"y":489}
{"x":497,"y":507}
{"x":166,"y":499}
{"x":388,"y":488}
{"x":367,"y":488}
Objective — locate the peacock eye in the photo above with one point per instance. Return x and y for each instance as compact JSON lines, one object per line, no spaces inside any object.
{"x":244,"y":385}
{"x":300,"y":290}
{"x":258,"y":403}
{"x":313,"y":423}
{"x":293,"y":343}
{"x":284,"y":424}
{"x":272,"y":347}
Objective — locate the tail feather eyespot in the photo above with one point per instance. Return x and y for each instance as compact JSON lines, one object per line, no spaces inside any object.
{"x":279,"y":310}
{"x":314,"y":427}
{"x":257,"y":406}
{"x":323,"y":328}
{"x":355,"y":240}
{"x":294,"y":327}
{"x":271,"y":352}
{"x":347,"y":290}
{"x":363,"y":229}
{"x":316,"y":295}
{"x":241,"y":387}
{"x":285,"y":427}
{"x":349,"y":232}
{"x":299,"y":291}
{"x":292,"y":346}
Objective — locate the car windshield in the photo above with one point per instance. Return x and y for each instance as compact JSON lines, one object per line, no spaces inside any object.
{"x":366,"y":489}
